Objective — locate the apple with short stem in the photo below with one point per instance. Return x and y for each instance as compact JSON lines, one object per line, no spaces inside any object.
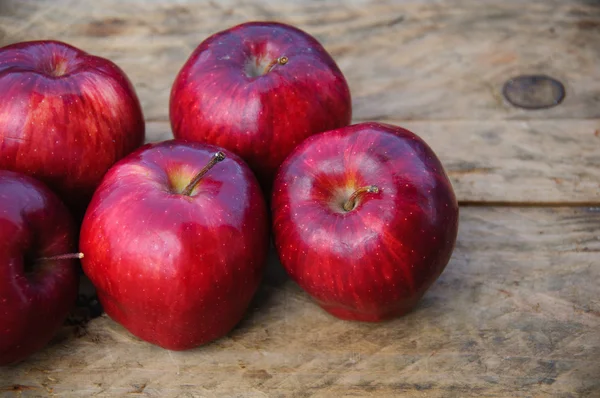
{"x":65,"y":117}
{"x":259,"y":89}
{"x":175,"y":241}
{"x":38,"y":270}
{"x":365,"y":220}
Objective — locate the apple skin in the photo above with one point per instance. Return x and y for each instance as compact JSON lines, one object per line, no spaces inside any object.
{"x":375,"y":261}
{"x":218,"y":98}
{"x":35,"y":299}
{"x":177,"y":271}
{"x":65,"y":117}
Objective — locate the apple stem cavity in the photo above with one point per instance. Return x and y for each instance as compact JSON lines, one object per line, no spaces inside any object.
{"x":350,"y":204}
{"x":59,"y":68}
{"x":279,"y":61}
{"x":217,"y":157}
{"x":68,"y":256}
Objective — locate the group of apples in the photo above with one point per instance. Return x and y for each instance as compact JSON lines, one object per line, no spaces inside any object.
{"x":174,"y":235}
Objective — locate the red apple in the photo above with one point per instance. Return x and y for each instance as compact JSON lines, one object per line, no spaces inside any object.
{"x":259,"y":89}
{"x":65,"y":116}
{"x":38,"y":277}
{"x":365,"y":220}
{"x":176,"y":260}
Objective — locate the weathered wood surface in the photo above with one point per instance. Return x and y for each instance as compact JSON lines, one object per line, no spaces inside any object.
{"x":436,"y":66}
{"x":524,"y":161}
{"x":413,"y":59}
{"x":515,"y":314}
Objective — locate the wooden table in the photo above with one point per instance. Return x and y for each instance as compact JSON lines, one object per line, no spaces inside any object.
{"x":517,"y":311}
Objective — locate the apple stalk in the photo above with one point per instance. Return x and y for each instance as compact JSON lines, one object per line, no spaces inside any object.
{"x":351,"y":202}
{"x":217,"y":157}
{"x":68,"y":256}
{"x":278,"y":61}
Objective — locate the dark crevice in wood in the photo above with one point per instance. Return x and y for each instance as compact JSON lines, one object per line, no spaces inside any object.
{"x":472,"y":203}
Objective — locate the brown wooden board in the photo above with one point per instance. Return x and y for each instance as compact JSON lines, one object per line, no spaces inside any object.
{"x":436,"y":67}
{"x":529,"y":162}
{"x":413,"y":59}
{"x":515,"y":314}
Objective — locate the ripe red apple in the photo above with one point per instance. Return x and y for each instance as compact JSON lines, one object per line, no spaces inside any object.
{"x":38,"y":275}
{"x":259,"y":89}
{"x":175,"y":240}
{"x":65,"y":117}
{"x":365,"y":220}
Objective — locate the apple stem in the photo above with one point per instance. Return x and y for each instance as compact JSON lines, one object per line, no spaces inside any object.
{"x":217,"y":157}
{"x":351,"y":202}
{"x":68,"y":256}
{"x":279,"y":61}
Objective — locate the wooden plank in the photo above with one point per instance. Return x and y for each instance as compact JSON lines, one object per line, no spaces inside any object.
{"x":515,"y":162}
{"x":414,"y":59}
{"x":515,"y":314}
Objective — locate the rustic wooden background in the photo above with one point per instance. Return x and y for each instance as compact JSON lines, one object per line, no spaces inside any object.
{"x":517,"y":311}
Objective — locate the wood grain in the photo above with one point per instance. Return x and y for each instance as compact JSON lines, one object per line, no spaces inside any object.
{"x":436,"y":68}
{"x":515,"y":314}
{"x":535,"y":162}
{"x":414,"y":59}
